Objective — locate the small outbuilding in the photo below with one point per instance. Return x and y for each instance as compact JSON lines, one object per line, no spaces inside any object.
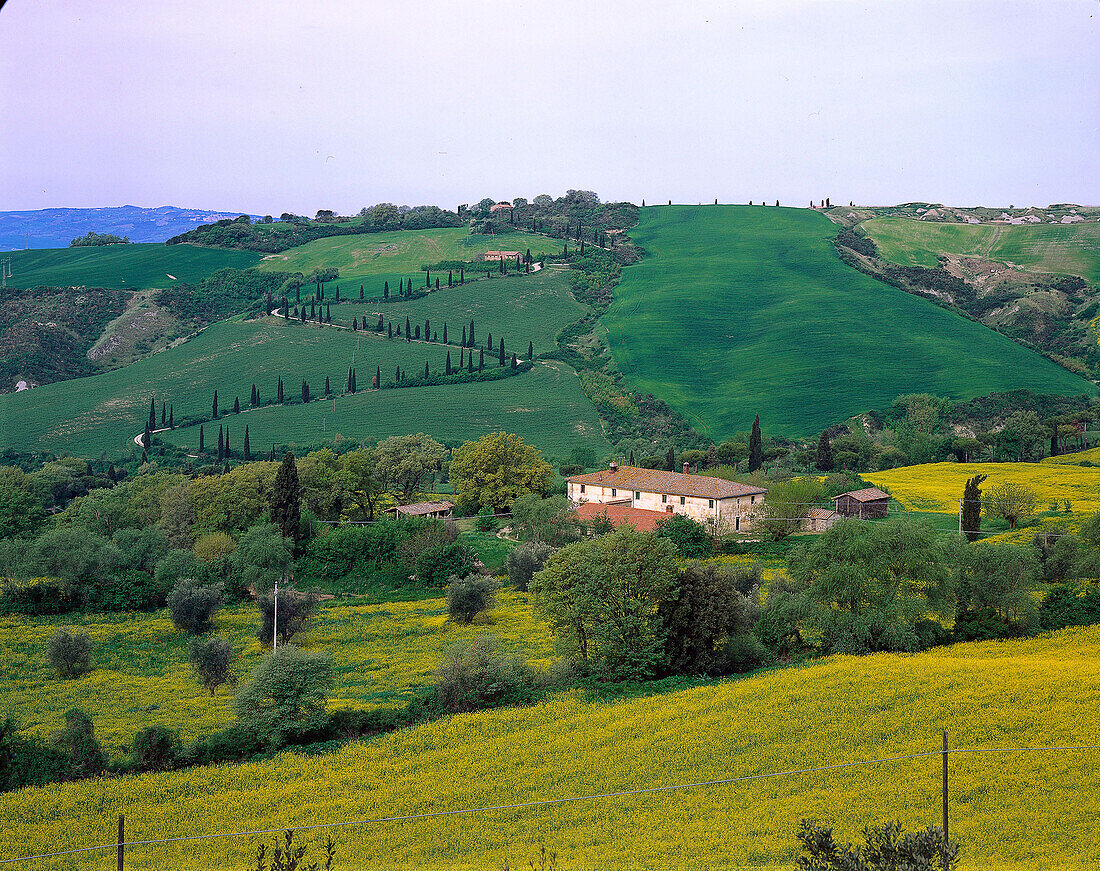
{"x":616,"y":514}
{"x":819,"y":519}
{"x":423,"y":509}
{"x":865,"y":504}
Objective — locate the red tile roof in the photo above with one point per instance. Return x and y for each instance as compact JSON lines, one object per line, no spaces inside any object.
{"x":867,"y":494}
{"x":639,"y":518}
{"x":417,"y":509}
{"x":673,"y":483}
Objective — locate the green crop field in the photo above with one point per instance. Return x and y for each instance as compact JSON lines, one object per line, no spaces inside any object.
{"x":1009,"y":810}
{"x":1070,"y":249}
{"x":370,"y":259}
{"x":546,"y":407}
{"x":103,"y":413}
{"x":520,"y":309}
{"x":740,"y":310}
{"x":123,"y":266}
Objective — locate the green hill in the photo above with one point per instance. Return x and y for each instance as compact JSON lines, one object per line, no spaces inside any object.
{"x":373,"y":258}
{"x":1009,"y":810}
{"x":740,"y":309}
{"x":102,"y":413}
{"x":1069,"y":249}
{"x":129,"y":267}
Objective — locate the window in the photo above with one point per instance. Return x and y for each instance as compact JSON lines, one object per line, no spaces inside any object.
{"x":710,"y":503}
{"x":614,"y":493}
{"x":582,"y":488}
{"x":637,"y":495}
{"x":737,"y":523}
{"x":682,"y":500}
{"x":664,"y":497}
{"x":752,"y":500}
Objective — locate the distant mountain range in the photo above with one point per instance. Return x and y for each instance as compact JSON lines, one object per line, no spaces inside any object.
{"x":55,"y":228}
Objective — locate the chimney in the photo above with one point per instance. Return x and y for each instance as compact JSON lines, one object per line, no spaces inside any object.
{"x":614,"y":466}
{"x":685,"y":468}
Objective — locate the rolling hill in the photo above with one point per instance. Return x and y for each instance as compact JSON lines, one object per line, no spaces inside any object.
{"x":1009,"y":810}
{"x":1068,"y":249}
{"x":739,"y":310}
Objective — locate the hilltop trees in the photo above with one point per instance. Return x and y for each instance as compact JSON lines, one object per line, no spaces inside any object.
{"x":403,"y":462}
{"x":497,"y":469}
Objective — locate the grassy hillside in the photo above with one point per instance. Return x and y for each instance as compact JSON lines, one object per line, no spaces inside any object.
{"x":939,"y":486}
{"x":519,"y":309}
{"x":1010,"y":810}
{"x":546,"y":407}
{"x":372,"y":258}
{"x":123,"y":266}
{"x":1070,"y":249}
{"x":1092,"y":455}
{"x":88,"y":416}
{"x":739,"y":310}
{"x":142,"y":673}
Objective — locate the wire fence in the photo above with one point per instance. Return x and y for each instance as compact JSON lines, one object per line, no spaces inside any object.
{"x":946,"y":753}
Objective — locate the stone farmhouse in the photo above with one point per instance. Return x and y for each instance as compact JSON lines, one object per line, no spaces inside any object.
{"x":709,"y":500}
{"x":864,"y":504}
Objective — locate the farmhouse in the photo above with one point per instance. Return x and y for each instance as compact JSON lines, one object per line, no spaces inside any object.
{"x":496,"y":207}
{"x":865,"y":503}
{"x":423,"y":509}
{"x":708,"y":500}
{"x":502,"y":255}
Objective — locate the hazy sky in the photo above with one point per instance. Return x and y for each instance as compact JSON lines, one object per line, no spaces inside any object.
{"x":268,"y":106}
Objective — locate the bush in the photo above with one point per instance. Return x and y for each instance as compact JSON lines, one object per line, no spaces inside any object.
{"x":157,"y":748}
{"x":38,"y":598}
{"x":192,"y":607}
{"x":486,"y":522}
{"x":70,"y":653}
{"x":439,"y":562}
{"x":469,"y":596}
{"x":1065,"y":606}
{"x":28,"y":761}
{"x":295,"y":611}
{"x":745,"y":652}
{"x":524,"y":560}
{"x":885,"y":849}
{"x":689,"y":536}
{"x":212,"y":659}
{"x":286,"y":695}
{"x":78,"y":744}
{"x":479,"y":674}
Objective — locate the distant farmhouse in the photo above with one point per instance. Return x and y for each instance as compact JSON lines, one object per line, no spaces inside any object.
{"x":423,"y":509}
{"x":644,"y":497}
{"x":502,"y":255}
{"x":496,"y":207}
{"x":864,"y":504}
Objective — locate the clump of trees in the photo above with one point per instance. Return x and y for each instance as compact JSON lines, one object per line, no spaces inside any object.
{"x":93,"y":239}
{"x":69,"y":652}
{"x":469,"y":596}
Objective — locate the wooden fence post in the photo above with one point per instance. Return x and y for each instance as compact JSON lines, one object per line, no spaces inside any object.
{"x":121,"y":840}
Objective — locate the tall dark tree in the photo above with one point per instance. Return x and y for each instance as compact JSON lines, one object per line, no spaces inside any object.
{"x":172,"y":416}
{"x":379,"y":328}
{"x":328,"y":389}
{"x":286,"y":499}
{"x":389,"y":330}
{"x":481,"y":360}
{"x":228,"y":452}
{"x":152,"y":413}
{"x":501,"y":350}
{"x":530,"y":350}
{"x":386,"y":292}
{"x":462,"y":275}
{"x":824,"y":458}
{"x":427,"y":331}
{"x":279,"y":391}
{"x":215,"y":408}
{"x":450,"y":278}
{"x":247,"y":449}
{"x":972,"y":508}
{"x":444,"y":332}
{"x":305,"y":391}
{"x":670,"y":459}
{"x":756,"y":446}
{"x":360,"y":291}
{"x":378,"y":377}
{"x":147,"y":437}
{"x":236,"y":405}
{"x":489,"y":343}
{"x":163,"y":413}
{"x":461,"y":359}
{"x":448,"y":369}
{"x":202,"y":442}
{"x":221,"y":443}
{"x":463,"y":345}
{"x":437,"y":282}
{"x":470,"y":361}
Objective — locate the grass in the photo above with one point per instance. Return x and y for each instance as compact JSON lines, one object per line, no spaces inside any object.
{"x":741,"y":310}
{"x":546,"y":407}
{"x":131,"y":267}
{"x":939,"y":486}
{"x":103,"y":413}
{"x":372,"y":258}
{"x":1010,"y":810}
{"x":382,"y":654}
{"x":520,"y":309}
{"x":1070,"y":249}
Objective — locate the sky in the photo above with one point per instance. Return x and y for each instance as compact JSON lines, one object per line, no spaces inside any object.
{"x":266,"y":106}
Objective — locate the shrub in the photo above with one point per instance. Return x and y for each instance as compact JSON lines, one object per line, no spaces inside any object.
{"x":885,"y":848}
{"x":157,"y":748}
{"x":212,"y":659}
{"x":744,"y":652}
{"x":469,"y":596}
{"x":286,"y":695}
{"x":295,"y":611}
{"x":38,"y":597}
{"x":524,"y":560}
{"x":28,"y":761}
{"x":486,"y":522}
{"x":192,"y":607}
{"x":174,"y":565}
{"x":70,"y":653}
{"x":1065,"y":606}
{"x":214,"y":546}
{"x":689,"y":536}
{"x":77,"y":742}
{"x":439,"y":562}
{"x":479,"y":674}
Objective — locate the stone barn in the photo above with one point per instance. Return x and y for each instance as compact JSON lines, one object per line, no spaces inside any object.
{"x":865,"y":504}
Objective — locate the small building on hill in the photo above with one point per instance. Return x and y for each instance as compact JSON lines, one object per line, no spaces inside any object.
{"x":819,"y":519}
{"x":496,"y":207}
{"x":865,"y":504}
{"x":709,"y":500}
{"x":502,"y":255}
{"x":423,"y":509}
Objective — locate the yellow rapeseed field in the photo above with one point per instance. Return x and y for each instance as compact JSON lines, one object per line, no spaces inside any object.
{"x":939,"y":486}
{"x":1092,"y":455}
{"x":1010,"y":810}
{"x":142,"y":675}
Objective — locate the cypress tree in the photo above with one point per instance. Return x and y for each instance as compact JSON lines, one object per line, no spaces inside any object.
{"x":502,"y":269}
{"x":146,"y":438}
{"x":236,"y":405}
{"x":444,"y":332}
{"x":360,"y":291}
{"x":163,"y":413}
{"x":221,"y":443}
{"x":305,"y":392}
{"x":462,"y":275}
{"x":756,"y":448}
{"x":530,"y":350}
{"x":824,"y":457}
{"x":286,"y":499}
{"x":378,"y":377}
{"x":463,"y":345}
{"x":670,"y":459}
{"x":461,"y":359}
{"x":425,"y":369}
{"x":450,"y":278}
{"x":302,"y":317}
{"x":397,"y":375}
{"x":427,"y":281}
{"x":481,"y":360}
{"x":632,"y":456}
{"x":144,"y":457}
{"x":349,"y":380}
{"x":389,"y":330}
{"x":501,"y":350}
{"x":313,"y":311}
{"x":448,"y":370}
{"x":437,"y":282}
{"x":427,"y":331}
{"x":328,"y":390}
{"x":417,"y":333}
{"x":202,"y":444}
{"x":227,"y":451}
{"x":337,"y":293}
{"x":328,"y":312}
{"x":247,"y":449}
{"x":489,"y":343}
{"x":515,"y":362}
{"x":386,"y":292}
{"x":972,"y":508}
{"x":279,"y":391}
{"x":354,"y":325}
{"x":215,"y":409}
{"x":470,"y":362}
{"x":379,"y":329}
{"x":152,"y":414}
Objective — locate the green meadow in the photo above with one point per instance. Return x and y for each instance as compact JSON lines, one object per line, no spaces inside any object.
{"x":103,"y":413}
{"x":739,"y":310}
{"x":521,"y":309}
{"x":123,"y":266}
{"x":369,"y":259}
{"x":546,"y":407}
{"x":1070,"y":249}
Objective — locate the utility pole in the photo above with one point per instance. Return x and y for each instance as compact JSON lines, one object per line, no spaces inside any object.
{"x":945,"y":835}
{"x":121,"y":840}
{"x":960,"y":528}
{"x":275,"y":625}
